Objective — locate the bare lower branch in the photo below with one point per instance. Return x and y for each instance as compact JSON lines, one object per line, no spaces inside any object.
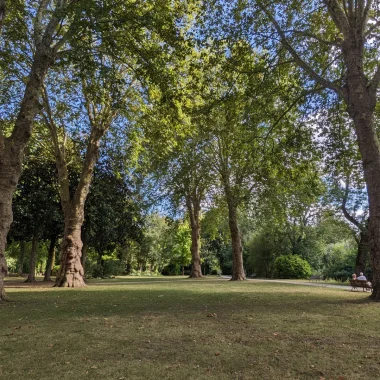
{"x":38,"y":26}
{"x":315,"y":37}
{"x":374,"y":83}
{"x":346,"y":214}
{"x":366,"y":12}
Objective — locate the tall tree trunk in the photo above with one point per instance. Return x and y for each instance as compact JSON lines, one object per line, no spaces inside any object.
{"x":370,"y":151}
{"x":363,"y":250}
{"x":238,"y":273}
{"x":193,"y":208}
{"x":32,"y":260}
{"x":71,"y":272}
{"x":12,"y":151}
{"x":20,"y":264}
{"x":361,"y":101}
{"x":50,"y":260}
{"x":84,"y":252}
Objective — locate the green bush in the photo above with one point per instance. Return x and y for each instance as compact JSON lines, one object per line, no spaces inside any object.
{"x":97,"y":271}
{"x":113,"y":268}
{"x":12,"y":265}
{"x":341,"y":275}
{"x":292,"y":266}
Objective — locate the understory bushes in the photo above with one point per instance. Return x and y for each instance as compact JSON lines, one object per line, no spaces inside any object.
{"x":108,"y":268}
{"x":292,"y":266}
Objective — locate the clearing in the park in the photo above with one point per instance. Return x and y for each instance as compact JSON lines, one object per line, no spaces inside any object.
{"x":176,"y":328}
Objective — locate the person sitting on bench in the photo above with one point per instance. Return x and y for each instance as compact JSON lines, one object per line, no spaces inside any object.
{"x":364,"y":278}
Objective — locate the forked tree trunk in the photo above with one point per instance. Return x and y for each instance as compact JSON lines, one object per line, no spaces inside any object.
{"x":20,"y":264}
{"x":71,"y":273}
{"x":33,"y":260}
{"x":238,"y":273}
{"x":193,"y":207}
{"x":51,"y":259}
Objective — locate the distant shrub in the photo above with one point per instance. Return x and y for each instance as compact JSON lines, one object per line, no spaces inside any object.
{"x":97,"y":271}
{"x":340,"y":275}
{"x":135,"y":272}
{"x":55,"y":270}
{"x":12,"y":265}
{"x":292,"y":266}
{"x":113,"y":268}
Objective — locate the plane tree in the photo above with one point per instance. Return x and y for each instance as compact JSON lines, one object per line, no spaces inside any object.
{"x":33,"y":34}
{"x":334,"y":44}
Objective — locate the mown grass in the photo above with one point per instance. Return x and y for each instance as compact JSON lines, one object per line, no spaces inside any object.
{"x":193,"y":329}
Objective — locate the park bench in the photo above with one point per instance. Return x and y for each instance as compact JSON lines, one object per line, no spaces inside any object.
{"x":316,"y":277}
{"x":355,"y":284}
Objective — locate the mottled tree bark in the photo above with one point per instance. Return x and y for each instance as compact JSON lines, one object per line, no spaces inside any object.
{"x":71,"y":272}
{"x":370,"y":152}
{"x":360,"y":97}
{"x":20,"y":264}
{"x":33,"y":260}
{"x":238,"y":273}
{"x":50,"y":259}
{"x":12,"y":151}
{"x":233,"y":200}
{"x":8,"y":181}
{"x":193,"y":208}
{"x":84,"y":251}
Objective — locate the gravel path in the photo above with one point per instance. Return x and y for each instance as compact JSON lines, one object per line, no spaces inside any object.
{"x":306,"y":283}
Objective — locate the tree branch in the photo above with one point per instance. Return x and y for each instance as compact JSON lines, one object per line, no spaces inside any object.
{"x":297,"y":58}
{"x":338,"y":16}
{"x":3,"y":10}
{"x":372,"y":28}
{"x":366,"y":12}
{"x":346,"y":214}
{"x":312,"y":35}
{"x":374,"y":83}
{"x":61,"y":163}
{"x":38,"y":21}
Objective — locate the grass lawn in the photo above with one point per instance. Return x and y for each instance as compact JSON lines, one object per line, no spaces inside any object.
{"x":171,"y":328}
